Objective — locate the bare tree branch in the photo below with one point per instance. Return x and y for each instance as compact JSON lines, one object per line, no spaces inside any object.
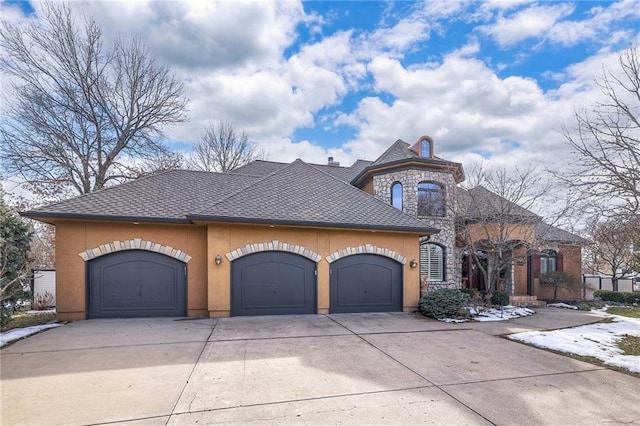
{"x":613,"y":249}
{"x":606,"y":141}
{"x":499,"y":222}
{"x":74,"y":108}
{"x":221,"y":149}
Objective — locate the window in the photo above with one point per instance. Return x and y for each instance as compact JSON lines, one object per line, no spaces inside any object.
{"x":430,"y":199}
{"x":425,"y":148}
{"x":548,"y":261}
{"x":432,"y":261}
{"x":396,"y":195}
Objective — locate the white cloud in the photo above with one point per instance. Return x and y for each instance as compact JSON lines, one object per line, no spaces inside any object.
{"x":597,"y":26}
{"x":198,"y":35}
{"x":534,"y":21}
{"x":471,"y":112}
{"x":232,"y":58}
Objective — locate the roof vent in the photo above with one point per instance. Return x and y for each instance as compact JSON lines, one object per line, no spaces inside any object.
{"x":333,"y":163}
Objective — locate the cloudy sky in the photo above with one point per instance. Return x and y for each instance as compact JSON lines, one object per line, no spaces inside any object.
{"x":489,"y":80}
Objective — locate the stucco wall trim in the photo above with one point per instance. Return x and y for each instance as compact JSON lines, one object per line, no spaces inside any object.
{"x":134,"y":244}
{"x":274,"y":245}
{"x":364,"y":249}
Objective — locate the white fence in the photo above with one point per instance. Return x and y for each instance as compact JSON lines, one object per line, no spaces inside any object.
{"x":44,"y":280}
{"x":604,"y":283}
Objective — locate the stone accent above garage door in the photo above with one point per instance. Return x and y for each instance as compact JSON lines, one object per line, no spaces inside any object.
{"x":134,"y":244}
{"x":366,"y":249}
{"x":274,"y":245}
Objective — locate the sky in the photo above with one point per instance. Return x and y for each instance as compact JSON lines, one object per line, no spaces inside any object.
{"x":491,"y":81}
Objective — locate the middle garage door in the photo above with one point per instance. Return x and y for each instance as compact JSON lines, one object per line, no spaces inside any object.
{"x":273,"y":283}
{"x":365,"y":283}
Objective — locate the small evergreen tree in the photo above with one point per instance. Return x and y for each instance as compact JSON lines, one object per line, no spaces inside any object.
{"x":15,"y":240}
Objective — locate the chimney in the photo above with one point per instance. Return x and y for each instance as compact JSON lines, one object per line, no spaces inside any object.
{"x":333,"y":163}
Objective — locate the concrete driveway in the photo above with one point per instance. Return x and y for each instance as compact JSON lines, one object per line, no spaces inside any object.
{"x":314,"y":369}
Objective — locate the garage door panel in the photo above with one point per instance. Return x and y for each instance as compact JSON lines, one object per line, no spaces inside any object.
{"x":273,"y":283}
{"x":365,"y":283}
{"x":136,"y":284}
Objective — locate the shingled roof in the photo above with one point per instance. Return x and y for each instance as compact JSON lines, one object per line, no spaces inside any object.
{"x":165,"y":197}
{"x":295,"y":194}
{"x":480,"y":203}
{"x":398,"y":154}
{"x":305,"y":195}
{"x":553,"y":234}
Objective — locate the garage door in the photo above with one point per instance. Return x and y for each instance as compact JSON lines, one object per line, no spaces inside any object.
{"x":136,"y":283}
{"x":273,"y":283}
{"x":365,"y":283}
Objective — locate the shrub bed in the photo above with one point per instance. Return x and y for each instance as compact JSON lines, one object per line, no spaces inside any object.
{"x":500,"y":298}
{"x":617,"y":296}
{"x":444,"y":303}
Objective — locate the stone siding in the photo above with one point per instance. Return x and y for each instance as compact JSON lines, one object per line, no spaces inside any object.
{"x":410,"y":178}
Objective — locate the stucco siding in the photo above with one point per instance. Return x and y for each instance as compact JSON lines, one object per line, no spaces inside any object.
{"x":73,"y":238}
{"x":224,"y":238}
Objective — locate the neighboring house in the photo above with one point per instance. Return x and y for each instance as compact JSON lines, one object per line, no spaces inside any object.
{"x":267,"y":238}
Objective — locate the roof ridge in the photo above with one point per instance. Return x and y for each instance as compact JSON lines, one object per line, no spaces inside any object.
{"x":386,"y":151}
{"x":262,"y":178}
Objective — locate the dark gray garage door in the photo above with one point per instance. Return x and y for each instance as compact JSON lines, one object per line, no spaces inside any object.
{"x":136,"y":283}
{"x":365,"y":283}
{"x":273,"y":283}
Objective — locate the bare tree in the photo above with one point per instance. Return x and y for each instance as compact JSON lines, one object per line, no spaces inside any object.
{"x":606,"y":139}
{"x":78,"y":115}
{"x":614,"y":249}
{"x":496,"y":225}
{"x":221,"y":149}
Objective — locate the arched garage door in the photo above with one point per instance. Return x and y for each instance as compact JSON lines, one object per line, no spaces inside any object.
{"x":365,"y":283}
{"x":273,"y":283}
{"x":136,"y":283}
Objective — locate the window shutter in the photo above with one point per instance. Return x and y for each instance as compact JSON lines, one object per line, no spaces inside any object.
{"x":559,"y":262}
{"x":536,"y":264}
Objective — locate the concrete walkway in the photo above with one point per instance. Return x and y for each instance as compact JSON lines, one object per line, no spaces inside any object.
{"x":314,"y":369}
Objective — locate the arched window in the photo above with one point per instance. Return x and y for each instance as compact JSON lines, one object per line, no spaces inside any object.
{"x":430,"y":199}
{"x":396,"y":195}
{"x":548,"y":261}
{"x":425,"y":148}
{"x":432,"y":261}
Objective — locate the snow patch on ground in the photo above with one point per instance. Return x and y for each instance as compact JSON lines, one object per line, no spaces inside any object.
{"x":561,"y":305}
{"x":506,"y":313}
{"x":596,"y":340}
{"x":19,"y":333}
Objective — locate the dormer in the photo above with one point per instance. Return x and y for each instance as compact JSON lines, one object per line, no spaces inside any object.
{"x":423,"y":147}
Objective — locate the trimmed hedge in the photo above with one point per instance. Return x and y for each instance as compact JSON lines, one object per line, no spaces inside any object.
{"x":444,"y":303}
{"x":625,"y":297}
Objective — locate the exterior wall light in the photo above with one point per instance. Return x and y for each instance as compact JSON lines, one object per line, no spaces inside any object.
{"x":218,"y":260}
{"x":413,"y":263}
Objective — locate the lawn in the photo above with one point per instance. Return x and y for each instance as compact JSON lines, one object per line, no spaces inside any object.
{"x":630,"y":311}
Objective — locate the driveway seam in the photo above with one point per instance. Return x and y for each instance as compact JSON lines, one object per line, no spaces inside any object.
{"x":195,"y":364}
{"x":530,"y":376}
{"x":102,"y":347}
{"x":316,"y":398}
{"x":418,"y":374}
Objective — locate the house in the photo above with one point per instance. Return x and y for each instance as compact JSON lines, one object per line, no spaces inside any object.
{"x":267,"y":238}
